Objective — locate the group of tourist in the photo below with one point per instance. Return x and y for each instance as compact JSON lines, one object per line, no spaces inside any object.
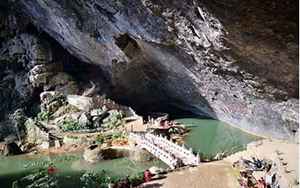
{"x":247,"y":169}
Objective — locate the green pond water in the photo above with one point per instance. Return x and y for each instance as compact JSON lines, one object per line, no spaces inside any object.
{"x":206,"y":136}
{"x":69,"y":167}
{"x":210,"y":137}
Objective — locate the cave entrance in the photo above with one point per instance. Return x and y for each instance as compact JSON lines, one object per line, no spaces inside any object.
{"x":84,"y":72}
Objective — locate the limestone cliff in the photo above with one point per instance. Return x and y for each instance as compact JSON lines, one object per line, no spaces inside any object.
{"x":232,"y":60}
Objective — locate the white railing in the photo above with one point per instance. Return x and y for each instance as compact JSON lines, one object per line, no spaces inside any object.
{"x":165,"y":149}
{"x":186,"y":155}
{"x":161,"y":154}
{"x":156,"y":151}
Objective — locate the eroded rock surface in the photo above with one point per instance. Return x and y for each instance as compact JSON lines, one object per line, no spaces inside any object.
{"x":225,"y":59}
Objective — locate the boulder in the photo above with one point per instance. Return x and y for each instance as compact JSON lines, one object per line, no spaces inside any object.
{"x":80,"y":102}
{"x":51,"y":101}
{"x":47,"y":96}
{"x":84,"y":120}
{"x":73,"y":116}
{"x":139,"y":155}
{"x":155,"y":170}
{"x":34,"y":135}
{"x":96,"y":112}
{"x":63,"y":110}
{"x":97,"y":121}
{"x":11,"y":149}
{"x":113,"y":120}
{"x":97,"y":116}
{"x":44,"y":145}
{"x":18,"y":119}
{"x":93,"y":153}
{"x":38,"y":80}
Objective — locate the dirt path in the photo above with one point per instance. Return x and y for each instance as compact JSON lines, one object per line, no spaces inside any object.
{"x":207,"y":175}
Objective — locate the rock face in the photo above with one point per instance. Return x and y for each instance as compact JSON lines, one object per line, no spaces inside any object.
{"x":236,"y":66}
{"x":34,"y":135}
{"x":51,"y":101}
{"x":95,"y":153}
{"x":80,"y":102}
{"x":28,"y":66}
{"x":84,"y":120}
{"x":11,"y":149}
{"x":92,"y":153}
